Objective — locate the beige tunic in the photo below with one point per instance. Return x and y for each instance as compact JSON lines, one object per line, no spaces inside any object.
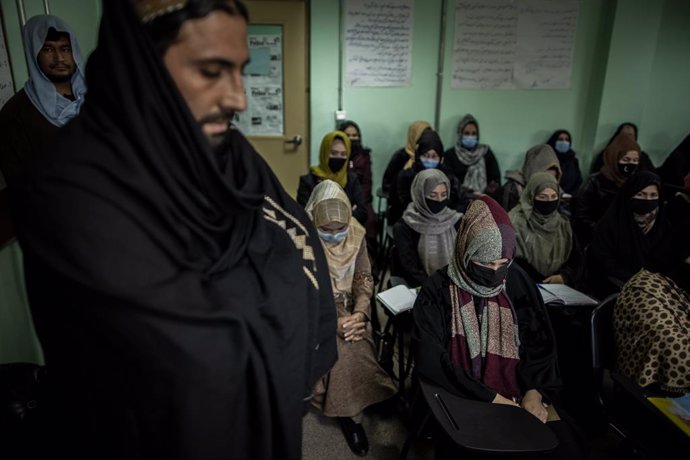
{"x":356,"y":381}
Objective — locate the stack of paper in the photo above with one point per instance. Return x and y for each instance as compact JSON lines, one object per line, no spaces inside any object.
{"x":560,"y":294}
{"x":398,"y":298}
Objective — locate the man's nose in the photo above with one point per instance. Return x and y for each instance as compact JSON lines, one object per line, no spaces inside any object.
{"x":234,"y":98}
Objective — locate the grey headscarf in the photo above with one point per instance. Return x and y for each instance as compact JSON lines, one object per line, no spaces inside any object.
{"x":436,"y":231}
{"x":475,"y":179}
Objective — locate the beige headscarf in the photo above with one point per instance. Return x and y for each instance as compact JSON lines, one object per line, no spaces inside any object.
{"x":328,"y":203}
{"x":413,"y":133}
{"x":544,"y":242}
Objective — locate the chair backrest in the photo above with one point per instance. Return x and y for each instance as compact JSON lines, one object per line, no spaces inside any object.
{"x":603,"y":340}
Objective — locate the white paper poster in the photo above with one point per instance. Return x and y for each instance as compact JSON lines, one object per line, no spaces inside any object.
{"x":263,"y":85}
{"x":378,"y":39}
{"x":525,"y":44}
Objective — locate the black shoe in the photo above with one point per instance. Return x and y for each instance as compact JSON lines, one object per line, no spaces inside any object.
{"x":355,"y":436}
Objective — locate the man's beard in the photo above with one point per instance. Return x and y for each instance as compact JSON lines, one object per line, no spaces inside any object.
{"x":60,"y":78}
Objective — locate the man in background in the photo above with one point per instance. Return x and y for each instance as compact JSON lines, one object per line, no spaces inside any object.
{"x":50,"y":98}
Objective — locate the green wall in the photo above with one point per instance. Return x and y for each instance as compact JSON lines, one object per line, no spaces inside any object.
{"x":630,"y":64}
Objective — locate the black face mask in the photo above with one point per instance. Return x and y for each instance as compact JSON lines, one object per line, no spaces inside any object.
{"x":544,"y":207}
{"x":436,"y":206}
{"x":642,"y":207}
{"x":627,"y":169}
{"x":486,"y":276}
{"x":336,"y":164}
{"x":355,"y":144}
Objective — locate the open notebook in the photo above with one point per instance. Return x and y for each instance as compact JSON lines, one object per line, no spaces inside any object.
{"x":560,"y":294}
{"x":398,"y":298}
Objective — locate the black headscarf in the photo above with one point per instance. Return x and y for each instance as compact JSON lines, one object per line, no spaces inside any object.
{"x":572,"y":177}
{"x":356,"y":147}
{"x":677,"y":164}
{"x":179,"y":292}
{"x":619,"y":245}
{"x":429,"y":140}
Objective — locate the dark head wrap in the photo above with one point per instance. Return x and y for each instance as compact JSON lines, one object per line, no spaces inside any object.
{"x":160,"y":271}
{"x":677,"y":164}
{"x":429,"y":140}
{"x":621,"y":145}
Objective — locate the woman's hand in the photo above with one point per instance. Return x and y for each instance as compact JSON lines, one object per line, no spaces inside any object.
{"x":353,"y":327}
{"x":533,"y":404}
{"x":554,"y":279}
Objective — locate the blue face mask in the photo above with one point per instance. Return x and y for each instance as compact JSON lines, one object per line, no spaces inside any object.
{"x":562,"y":146}
{"x":469,"y":142}
{"x":332,"y":238}
{"x":429,"y":163}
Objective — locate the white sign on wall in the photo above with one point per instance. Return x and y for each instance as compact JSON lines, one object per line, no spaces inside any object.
{"x":525,"y":44}
{"x":378,"y":40}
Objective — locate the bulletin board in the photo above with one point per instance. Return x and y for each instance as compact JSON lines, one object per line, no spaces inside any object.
{"x":6,"y":92}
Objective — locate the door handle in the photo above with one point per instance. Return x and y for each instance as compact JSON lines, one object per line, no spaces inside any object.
{"x":296,"y":141}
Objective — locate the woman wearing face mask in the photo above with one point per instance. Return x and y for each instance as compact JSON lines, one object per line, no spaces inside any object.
{"x":356,"y":381}
{"x":428,"y":155}
{"x":474,"y":164}
{"x":360,"y":164}
{"x":629,"y":129}
{"x":334,"y":155}
{"x":425,"y":235}
{"x":481,"y":329}
{"x":562,"y":143}
{"x":625,"y":236}
{"x":403,"y":158}
{"x":652,"y":318}
{"x":621,"y":160}
{"x":540,"y":158}
{"x":546,"y":249}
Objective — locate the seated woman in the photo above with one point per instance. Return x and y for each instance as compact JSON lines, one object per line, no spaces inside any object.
{"x":428,"y":155}
{"x":481,"y":329}
{"x":562,"y":143}
{"x":626,"y":235}
{"x":403,"y":158}
{"x":333,"y":164}
{"x":652,"y":319}
{"x":540,"y":158}
{"x":546,"y":249}
{"x":425,"y":235}
{"x":621,"y":160}
{"x":474,"y":164}
{"x":360,"y":164}
{"x":356,"y":381}
{"x":629,"y":129}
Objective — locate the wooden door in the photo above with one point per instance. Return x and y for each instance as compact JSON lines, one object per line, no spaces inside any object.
{"x":276,"y":122}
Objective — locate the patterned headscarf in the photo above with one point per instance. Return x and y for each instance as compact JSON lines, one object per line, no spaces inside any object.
{"x":620,"y":145}
{"x":414,"y":132}
{"x":329,"y":203}
{"x":485,"y":339}
{"x":323,"y":170}
{"x":475,"y":178}
{"x":543,"y":241}
{"x":436,"y":231}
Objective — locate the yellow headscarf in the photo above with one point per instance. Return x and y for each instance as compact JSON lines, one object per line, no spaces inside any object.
{"x":323,"y":170}
{"x":413,"y":133}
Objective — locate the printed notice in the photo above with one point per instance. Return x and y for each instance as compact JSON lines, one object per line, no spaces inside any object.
{"x":263,"y":86}
{"x":524,"y":44}
{"x":378,"y":39}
